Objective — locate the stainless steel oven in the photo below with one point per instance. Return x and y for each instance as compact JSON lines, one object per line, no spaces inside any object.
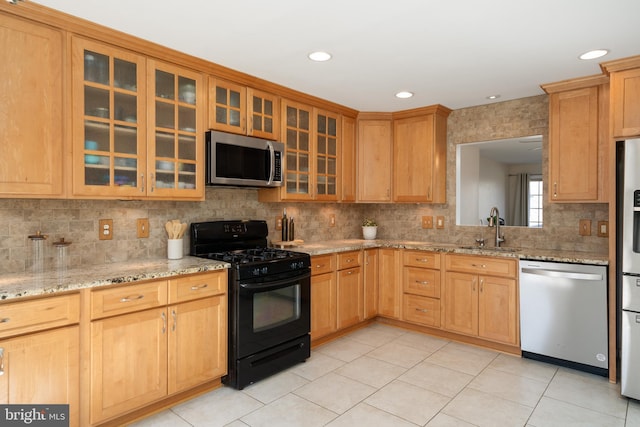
{"x":269,"y":298}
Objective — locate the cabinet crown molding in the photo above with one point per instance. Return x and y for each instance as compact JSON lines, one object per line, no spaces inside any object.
{"x":577,"y":83}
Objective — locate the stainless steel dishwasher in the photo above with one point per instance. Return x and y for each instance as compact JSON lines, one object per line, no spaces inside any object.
{"x":563,"y":314}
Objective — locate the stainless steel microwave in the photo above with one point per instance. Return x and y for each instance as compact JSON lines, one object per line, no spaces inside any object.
{"x":243,"y":160}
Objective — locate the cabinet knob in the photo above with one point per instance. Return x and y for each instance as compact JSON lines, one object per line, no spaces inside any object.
{"x":1,"y":361}
{"x":422,"y":310}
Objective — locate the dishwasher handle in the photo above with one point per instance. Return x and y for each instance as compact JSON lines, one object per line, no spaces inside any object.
{"x":561,"y":274}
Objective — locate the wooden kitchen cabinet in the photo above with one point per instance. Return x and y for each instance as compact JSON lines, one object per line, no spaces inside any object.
{"x":480,"y":297}
{"x":390,"y":283}
{"x":350,"y":293}
{"x":370,"y":283}
{"x":31,"y":152}
{"x":137,"y":126}
{"x":375,"y":157}
{"x":348,"y":176}
{"x":239,"y":109}
{"x":421,"y":287}
{"x":323,"y":295}
{"x":578,"y":139}
{"x":327,"y":149}
{"x":40,"y":353}
{"x":419,"y":155}
{"x":625,"y":96}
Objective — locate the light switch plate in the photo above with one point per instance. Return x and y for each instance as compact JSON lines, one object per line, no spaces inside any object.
{"x":440,"y":221}
{"x":332,"y":220}
{"x":278,"y":223}
{"x":603,"y":228}
{"x":427,"y":221}
{"x":585,"y":227}
{"x":142,"y":228}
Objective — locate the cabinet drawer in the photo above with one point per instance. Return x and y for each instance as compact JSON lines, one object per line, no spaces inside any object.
{"x":421,"y":259}
{"x":38,"y":314}
{"x":494,"y":266}
{"x":126,"y":299}
{"x":349,"y":259}
{"x":321,"y":264}
{"x":197,"y":286}
{"x":422,"y":281}
{"x":423,"y":310}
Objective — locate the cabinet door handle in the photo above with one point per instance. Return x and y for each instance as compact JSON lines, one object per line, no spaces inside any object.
{"x":319,"y":265}
{"x":422,"y":282}
{"x":473,"y":284}
{"x":129,"y":299}
{"x":422,"y":310}
{"x":175,"y":320}
{"x":349,"y":260}
{"x":1,"y":361}
{"x":5,"y":320}
{"x":555,"y":189}
{"x":481,"y":285}
{"x":479,"y":265}
{"x":142,"y":183}
{"x":198,"y":287}
{"x":152,"y":181}
{"x":422,"y":260}
{"x":349,"y":272}
{"x":164,"y":322}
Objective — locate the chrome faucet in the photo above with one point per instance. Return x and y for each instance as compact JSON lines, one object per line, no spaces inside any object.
{"x":494,"y":221}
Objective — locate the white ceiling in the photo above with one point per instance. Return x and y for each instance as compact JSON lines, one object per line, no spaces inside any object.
{"x":454,"y":53}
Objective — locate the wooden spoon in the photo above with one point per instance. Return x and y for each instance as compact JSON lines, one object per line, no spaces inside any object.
{"x":169,"y":227}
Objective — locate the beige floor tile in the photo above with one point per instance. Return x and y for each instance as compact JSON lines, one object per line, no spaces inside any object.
{"x":387,"y":328}
{"x":237,"y":423}
{"x":408,"y":401}
{"x":344,"y":349}
{"x":217,"y":408}
{"x":588,"y":391}
{"x":373,"y":372}
{"x":508,"y":386}
{"x":365,"y":415}
{"x":316,"y":366}
{"x":483,"y":409}
{"x":469,"y":361}
{"x":437,"y":378}
{"x":444,"y":420}
{"x":421,"y":341}
{"x":335,"y":392}
{"x":524,"y":367}
{"x":555,"y":413}
{"x":289,"y":411}
{"x":162,"y":419}
{"x":399,"y":354}
{"x":373,"y":336}
{"x":275,"y":387}
{"x":633,"y":414}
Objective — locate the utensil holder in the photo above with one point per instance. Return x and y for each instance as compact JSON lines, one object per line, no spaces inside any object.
{"x":174,"y":248}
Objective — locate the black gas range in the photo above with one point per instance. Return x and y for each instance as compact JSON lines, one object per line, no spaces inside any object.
{"x":269,"y":298}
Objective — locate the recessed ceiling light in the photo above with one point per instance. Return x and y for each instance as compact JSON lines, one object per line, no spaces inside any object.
{"x":319,"y":56}
{"x":593,"y":54}
{"x":493,"y":96}
{"x":404,"y":94}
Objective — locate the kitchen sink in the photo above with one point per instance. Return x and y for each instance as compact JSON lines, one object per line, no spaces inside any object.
{"x":489,"y":248}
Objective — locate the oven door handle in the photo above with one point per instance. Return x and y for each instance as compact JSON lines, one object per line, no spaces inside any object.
{"x":274,"y":285}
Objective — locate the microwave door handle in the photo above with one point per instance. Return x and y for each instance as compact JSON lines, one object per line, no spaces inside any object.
{"x":272,"y":156}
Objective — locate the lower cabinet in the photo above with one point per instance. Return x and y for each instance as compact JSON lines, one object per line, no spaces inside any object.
{"x":480,"y":297}
{"x":421,"y":286}
{"x":143,"y":354}
{"x":350,"y":303}
{"x":370,"y":283}
{"x":323,"y":295}
{"x":390,"y":283}
{"x":38,"y":364}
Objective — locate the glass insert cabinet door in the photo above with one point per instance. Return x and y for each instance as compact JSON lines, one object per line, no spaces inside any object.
{"x":108,"y":129}
{"x":297,"y":129}
{"x":327,"y":149}
{"x":263,"y":114}
{"x":174,"y":131}
{"x":228,"y":104}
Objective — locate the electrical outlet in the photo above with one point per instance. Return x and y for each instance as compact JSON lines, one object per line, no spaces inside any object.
{"x":105,"y":229}
{"x":142,"y":227}
{"x":332,"y":220}
{"x":440,"y":221}
{"x":278,"y":223}
{"x":585,"y":227}
{"x":603,"y":228}
{"x":427,"y":222}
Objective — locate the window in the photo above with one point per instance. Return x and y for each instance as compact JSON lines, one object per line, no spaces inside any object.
{"x":535,"y":201}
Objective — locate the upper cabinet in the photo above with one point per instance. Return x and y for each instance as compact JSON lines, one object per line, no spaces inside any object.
{"x":349,"y":160}
{"x":327,"y":155}
{"x":625,"y":96}
{"x":247,"y":111}
{"x":419,"y":155}
{"x":31,"y":152}
{"x":375,"y":154}
{"x":578,"y":129}
{"x":137,"y":126}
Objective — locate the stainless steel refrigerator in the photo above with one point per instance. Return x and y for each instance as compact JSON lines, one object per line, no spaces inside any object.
{"x":628,"y":261}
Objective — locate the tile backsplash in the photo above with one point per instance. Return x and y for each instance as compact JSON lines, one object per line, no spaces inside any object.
{"x":77,"y":220}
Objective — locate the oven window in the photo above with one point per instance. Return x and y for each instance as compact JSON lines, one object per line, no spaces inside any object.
{"x":275,"y":308}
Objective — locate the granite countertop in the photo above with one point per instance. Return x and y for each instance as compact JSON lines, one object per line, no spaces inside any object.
{"x":331,"y":246}
{"x":50,"y":281}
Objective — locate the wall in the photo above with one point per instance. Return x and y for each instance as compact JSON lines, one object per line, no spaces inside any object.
{"x":77,"y":220}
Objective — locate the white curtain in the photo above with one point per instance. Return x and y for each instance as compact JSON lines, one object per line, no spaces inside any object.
{"x":518,"y":200}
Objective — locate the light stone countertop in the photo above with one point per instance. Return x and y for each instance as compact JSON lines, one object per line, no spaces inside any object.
{"x":331,"y":246}
{"x":51,"y":281}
